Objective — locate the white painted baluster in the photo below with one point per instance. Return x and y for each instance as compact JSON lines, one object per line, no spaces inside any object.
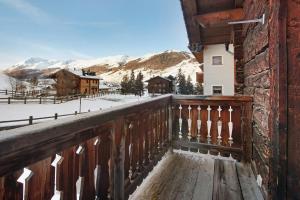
{"x":219,"y":123}
{"x":230,"y":124}
{"x":180,"y":122}
{"x":79,"y":182}
{"x":57,"y":161}
{"x":199,"y":123}
{"x":97,"y":168}
{"x":24,"y":178}
{"x":130,"y":174}
{"x":189,"y":123}
{"x":208,"y":122}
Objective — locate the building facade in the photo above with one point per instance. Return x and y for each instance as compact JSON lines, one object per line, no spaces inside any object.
{"x":218,"y":70}
{"x":71,"y":82}
{"x":160,"y":85}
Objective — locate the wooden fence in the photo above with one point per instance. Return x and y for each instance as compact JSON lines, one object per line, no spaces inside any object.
{"x":53,"y":99}
{"x":11,"y":124}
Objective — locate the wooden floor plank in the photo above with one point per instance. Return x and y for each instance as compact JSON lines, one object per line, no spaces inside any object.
{"x":204,"y":184}
{"x":188,"y":176}
{"x":226,"y":184}
{"x":174,"y":184}
{"x":155,"y":185}
{"x":250,"y":189}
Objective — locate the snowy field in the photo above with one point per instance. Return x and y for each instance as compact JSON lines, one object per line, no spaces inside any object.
{"x":23,"y":111}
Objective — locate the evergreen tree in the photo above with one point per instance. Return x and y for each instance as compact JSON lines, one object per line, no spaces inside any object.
{"x":125,"y":84}
{"x":199,"y":89}
{"x":189,"y":86}
{"x":139,"y":84}
{"x":131,"y":83}
{"x":180,"y":79}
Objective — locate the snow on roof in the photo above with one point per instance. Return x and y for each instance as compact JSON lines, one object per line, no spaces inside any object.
{"x":158,"y":77}
{"x":78,"y":72}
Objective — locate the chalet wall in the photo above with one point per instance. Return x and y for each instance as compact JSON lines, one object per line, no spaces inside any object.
{"x":218,"y":75}
{"x":66,"y":83}
{"x":257,"y":82}
{"x":158,"y":85}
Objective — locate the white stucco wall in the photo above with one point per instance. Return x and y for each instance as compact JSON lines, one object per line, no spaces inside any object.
{"x":219,"y":75}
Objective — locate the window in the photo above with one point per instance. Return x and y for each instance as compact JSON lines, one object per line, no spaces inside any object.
{"x":217,"y":60}
{"x":217,"y":90}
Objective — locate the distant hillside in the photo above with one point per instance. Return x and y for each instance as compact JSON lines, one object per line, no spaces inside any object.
{"x":112,"y":68}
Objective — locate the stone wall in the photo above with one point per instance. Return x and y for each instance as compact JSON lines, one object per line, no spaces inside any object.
{"x":257,"y":83}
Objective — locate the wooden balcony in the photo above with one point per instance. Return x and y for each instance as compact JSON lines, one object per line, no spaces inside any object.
{"x":107,"y":154}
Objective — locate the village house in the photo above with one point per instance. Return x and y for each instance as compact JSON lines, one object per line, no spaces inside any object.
{"x":160,"y":85}
{"x":218,"y":67}
{"x":71,"y":82}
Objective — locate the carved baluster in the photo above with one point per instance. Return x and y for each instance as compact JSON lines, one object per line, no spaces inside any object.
{"x":230,"y":124}
{"x":137,"y":137}
{"x":56,"y":162}
{"x":130,"y":175}
{"x":158,"y":120}
{"x":199,"y":123}
{"x":97,"y":169}
{"x":219,"y":123}
{"x":166,"y":124}
{"x":80,"y":180}
{"x":208,"y":122}
{"x":150,"y":141}
{"x":23,"y":179}
{"x":145,"y":141}
{"x":180,"y":122}
{"x":189,"y":123}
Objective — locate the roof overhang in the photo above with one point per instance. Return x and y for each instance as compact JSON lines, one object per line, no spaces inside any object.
{"x":207,"y":22}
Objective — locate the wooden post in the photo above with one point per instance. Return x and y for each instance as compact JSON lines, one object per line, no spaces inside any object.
{"x":246,"y":130}
{"x":30,"y":120}
{"x":170,"y":122}
{"x":25,"y":100}
{"x":55,"y":116}
{"x":76,"y":113}
{"x":6,"y":92}
{"x":54,"y":100}
{"x":8,"y":99}
{"x":40,"y":100}
{"x":118,"y":159}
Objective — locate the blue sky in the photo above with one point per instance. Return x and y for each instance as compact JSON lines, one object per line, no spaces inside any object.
{"x":79,"y":29}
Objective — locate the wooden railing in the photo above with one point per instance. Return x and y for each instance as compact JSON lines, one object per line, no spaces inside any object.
{"x":216,"y":125}
{"x":106,"y":154}
{"x":102,"y":154}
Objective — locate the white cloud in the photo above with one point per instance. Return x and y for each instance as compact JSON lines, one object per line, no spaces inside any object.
{"x":24,"y":7}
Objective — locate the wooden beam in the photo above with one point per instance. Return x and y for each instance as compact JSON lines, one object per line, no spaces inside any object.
{"x":219,"y":18}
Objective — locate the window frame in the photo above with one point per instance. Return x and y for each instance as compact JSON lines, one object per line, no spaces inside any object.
{"x":212,"y":90}
{"x":212,"y":60}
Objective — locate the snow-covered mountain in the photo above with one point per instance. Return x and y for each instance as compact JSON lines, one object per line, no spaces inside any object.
{"x":113,"y":68}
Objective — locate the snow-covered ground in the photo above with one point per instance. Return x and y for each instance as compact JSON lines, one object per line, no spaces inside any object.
{"x":23,"y":111}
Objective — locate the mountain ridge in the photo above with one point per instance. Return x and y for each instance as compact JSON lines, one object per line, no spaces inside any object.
{"x":111,"y":68}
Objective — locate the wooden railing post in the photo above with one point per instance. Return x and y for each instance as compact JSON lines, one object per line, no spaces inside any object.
{"x":247,"y":131}
{"x":8,"y":100}
{"x":118,"y":139}
{"x":30,"y":120}
{"x":170,"y":122}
